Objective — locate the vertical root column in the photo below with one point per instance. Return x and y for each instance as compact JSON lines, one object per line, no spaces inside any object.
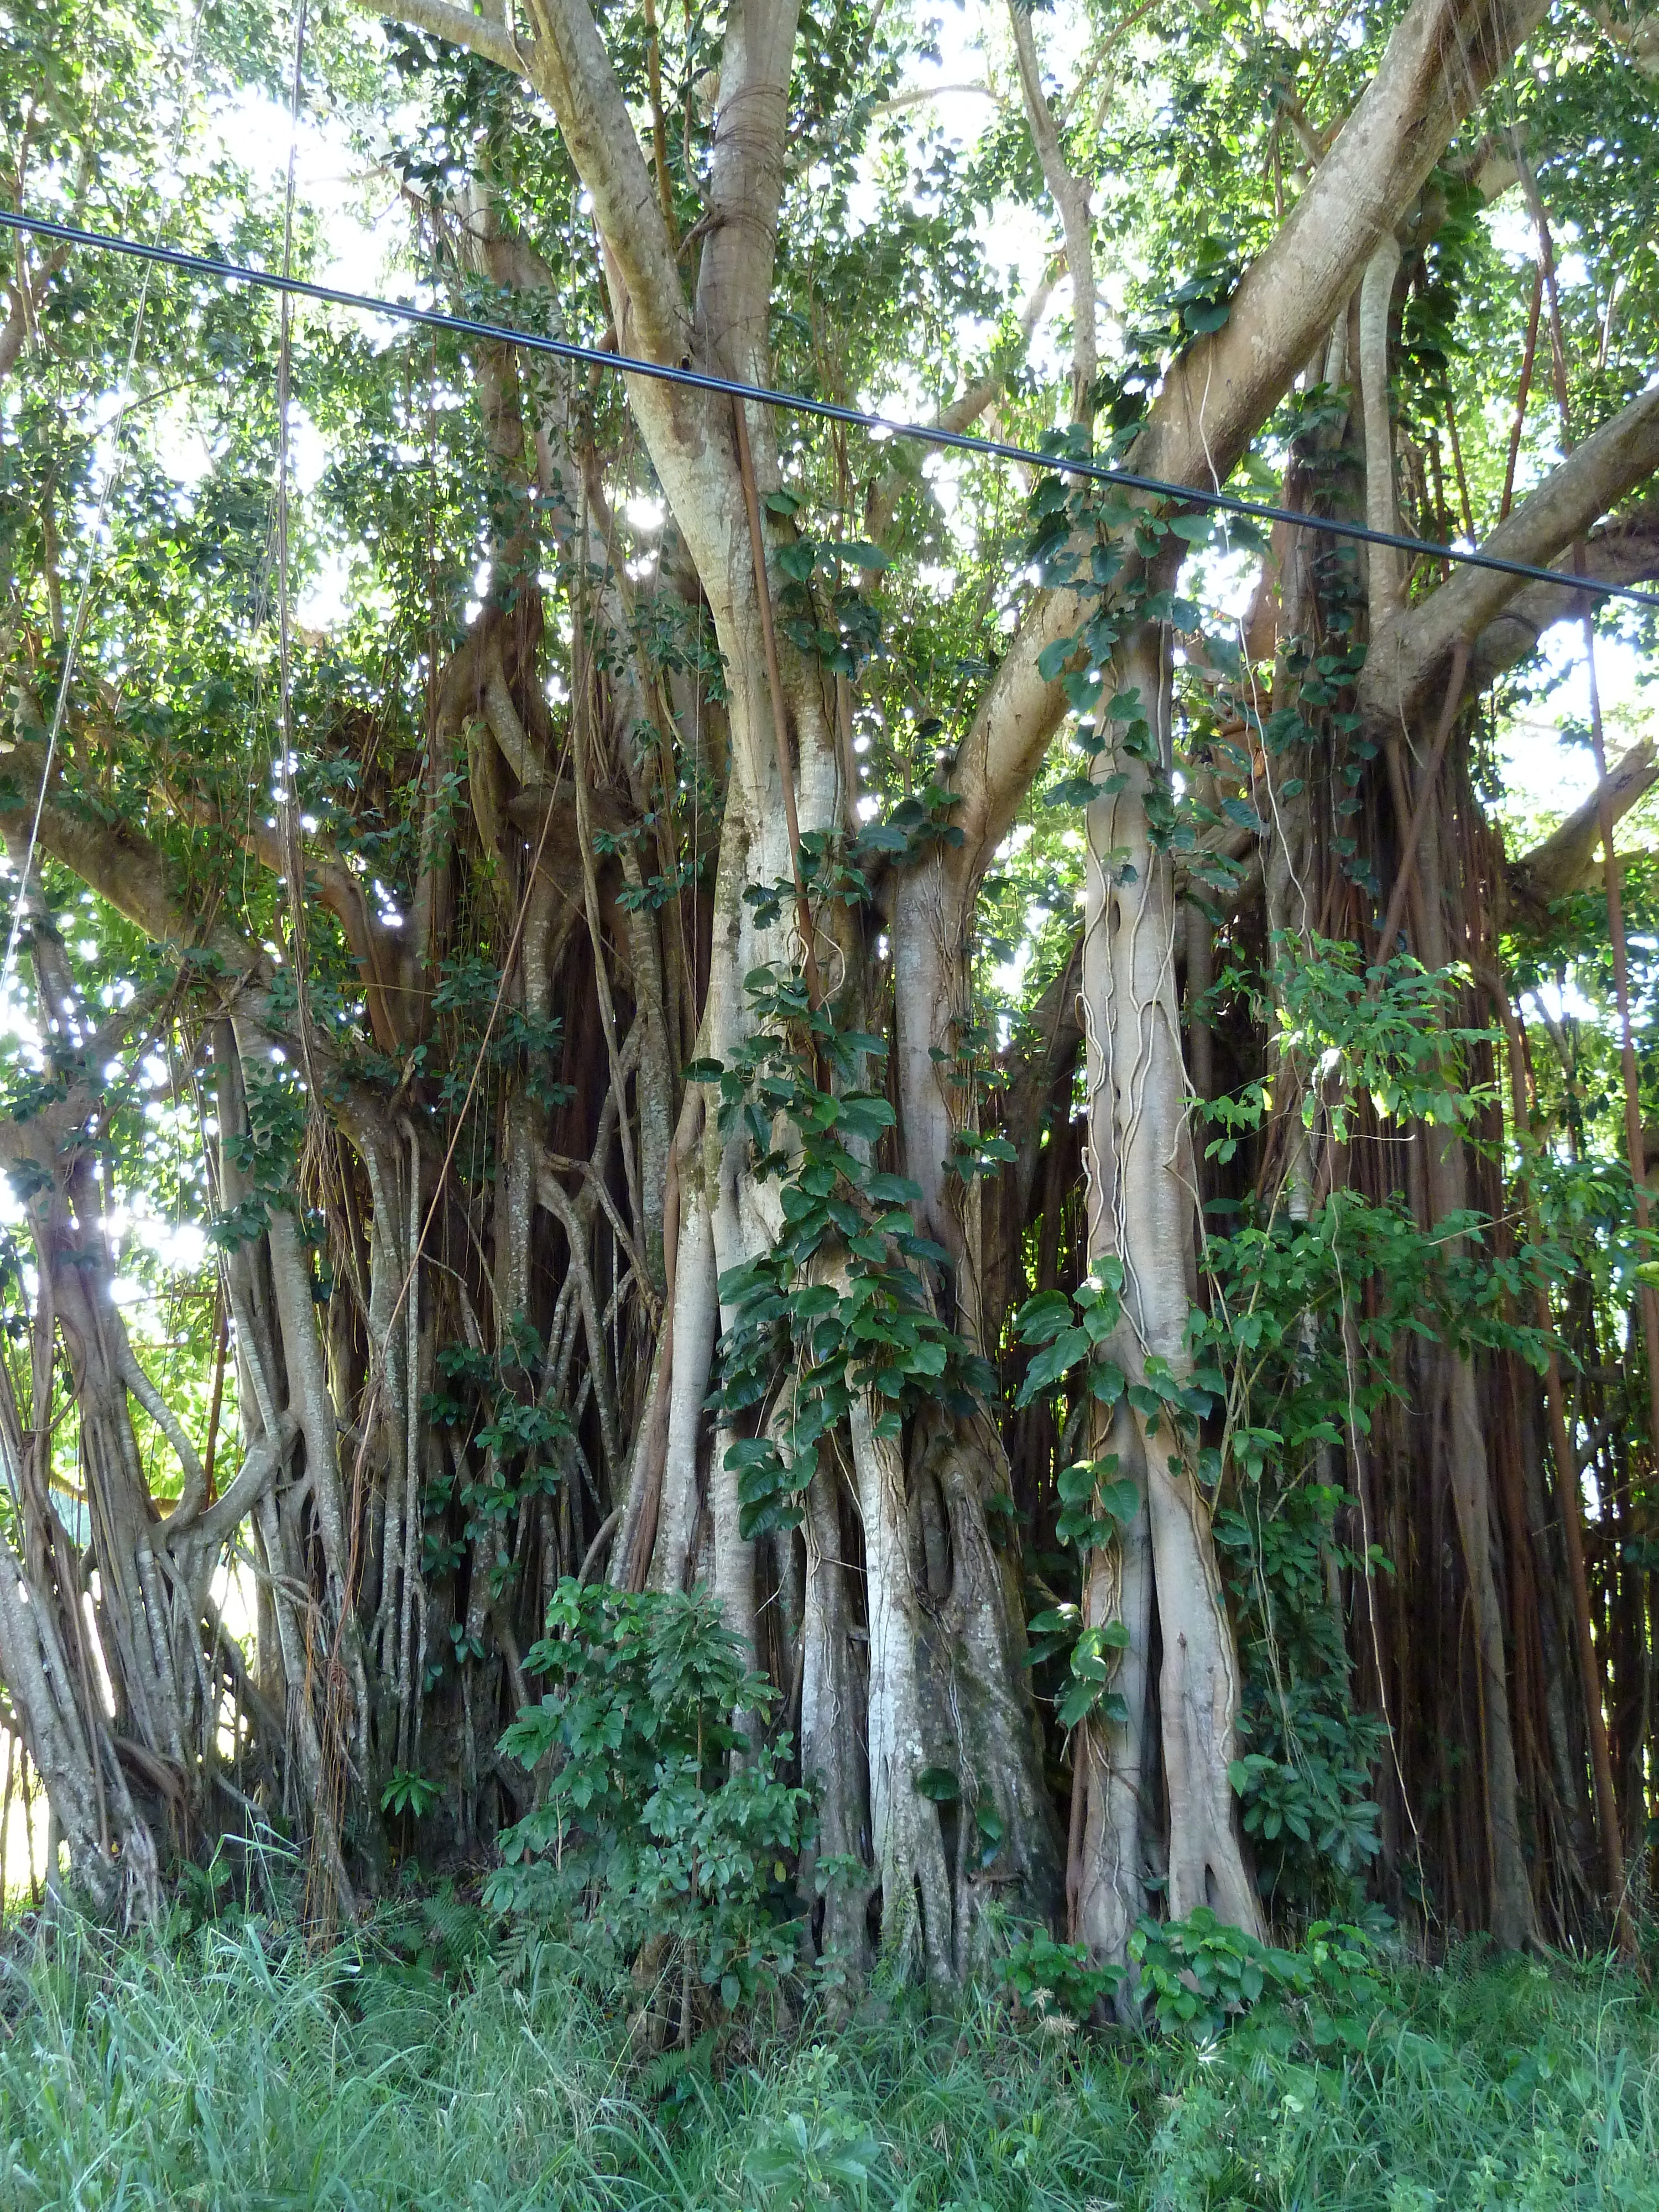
{"x":1106,"y":1888}
{"x":909,"y":1848}
{"x":1142,"y":1214}
{"x":832,"y":1707}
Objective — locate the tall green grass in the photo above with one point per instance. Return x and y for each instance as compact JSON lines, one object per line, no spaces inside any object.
{"x":227,"y":2070}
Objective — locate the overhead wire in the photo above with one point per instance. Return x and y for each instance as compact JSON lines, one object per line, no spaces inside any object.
{"x":760,"y":395}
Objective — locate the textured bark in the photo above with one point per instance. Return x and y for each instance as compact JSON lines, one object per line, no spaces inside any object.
{"x":111,"y":1852}
{"x":696,"y":1315}
{"x":1384,"y":567}
{"x":1142,"y":1213}
{"x":916,"y":1932}
{"x":974,"y":1637}
{"x":833,"y":1711}
{"x":1106,"y":1883}
{"x":1513,"y":1916}
{"x":930,"y":1004}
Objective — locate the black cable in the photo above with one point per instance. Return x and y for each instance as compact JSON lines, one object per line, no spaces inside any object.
{"x":961,"y":441}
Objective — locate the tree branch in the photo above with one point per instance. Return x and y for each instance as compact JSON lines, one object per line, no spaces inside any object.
{"x":459,"y":26}
{"x":1441,"y":58}
{"x":572,"y":71}
{"x":1070,"y":195}
{"x":1405,"y":661}
{"x":1565,"y":862}
{"x":1624,"y":551}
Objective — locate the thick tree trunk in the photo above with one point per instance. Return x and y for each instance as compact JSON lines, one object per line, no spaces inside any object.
{"x":834,"y":1709}
{"x":1106,"y":1879}
{"x":1143,"y":1216}
{"x":916,"y":1920}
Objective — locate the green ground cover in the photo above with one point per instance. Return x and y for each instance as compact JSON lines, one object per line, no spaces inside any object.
{"x":224,"y":2068}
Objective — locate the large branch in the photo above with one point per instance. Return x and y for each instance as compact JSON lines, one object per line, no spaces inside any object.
{"x":568,"y":65}
{"x":1438,"y":63}
{"x":1070,"y":194}
{"x":1623,"y":551}
{"x":122,"y":865}
{"x":1409,"y":659}
{"x":459,"y":27}
{"x":573,"y":73}
{"x":745,"y":187}
{"x":1565,"y":862}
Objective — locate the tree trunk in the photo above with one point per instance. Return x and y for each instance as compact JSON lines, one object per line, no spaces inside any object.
{"x":1142,"y":1216}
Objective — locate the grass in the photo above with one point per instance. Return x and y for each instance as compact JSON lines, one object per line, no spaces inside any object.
{"x":224,"y":2069}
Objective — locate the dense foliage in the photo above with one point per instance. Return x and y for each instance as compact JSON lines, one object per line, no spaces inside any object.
{"x":847,"y":1209}
{"x":228,"y":2069}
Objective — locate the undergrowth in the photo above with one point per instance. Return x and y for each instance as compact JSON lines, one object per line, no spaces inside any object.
{"x":417,"y":2066}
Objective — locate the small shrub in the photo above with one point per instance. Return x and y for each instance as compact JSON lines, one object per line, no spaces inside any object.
{"x":828,"y":2160}
{"x":1197,"y":1973}
{"x":1051,"y":1978}
{"x":411,"y":1793}
{"x":663,"y":1825}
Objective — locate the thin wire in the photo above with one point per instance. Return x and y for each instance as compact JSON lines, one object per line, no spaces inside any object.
{"x":928,"y":434}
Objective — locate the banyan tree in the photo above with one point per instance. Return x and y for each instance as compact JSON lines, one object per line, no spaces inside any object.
{"x":1175,"y":1428}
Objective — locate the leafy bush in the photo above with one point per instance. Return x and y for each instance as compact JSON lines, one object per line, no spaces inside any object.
{"x":827,"y":2161}
{"x":1197,"y":1973}
{"x":661,"y":1817}
{"x":1045,"y":1976}
{"x":1303,"y":1778}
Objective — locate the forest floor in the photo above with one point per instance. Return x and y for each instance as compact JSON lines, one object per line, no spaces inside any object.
{"x":222,"y":2068}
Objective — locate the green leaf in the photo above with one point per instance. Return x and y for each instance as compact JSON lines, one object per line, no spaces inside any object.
{"x":1106,"y":1383}
{"x":1050,"y":1366}
{"x":1072,"y":790}
{"x":939,"y":1784}
{"x":864,"y":1115}
{"x":886,"y":1190}
{"x":860,"y":553}
{"x":1121,"y":1500}
{"x":1054,"y":656}
{"x":1076,"y":1702}
{"x":1041,"y":1319}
